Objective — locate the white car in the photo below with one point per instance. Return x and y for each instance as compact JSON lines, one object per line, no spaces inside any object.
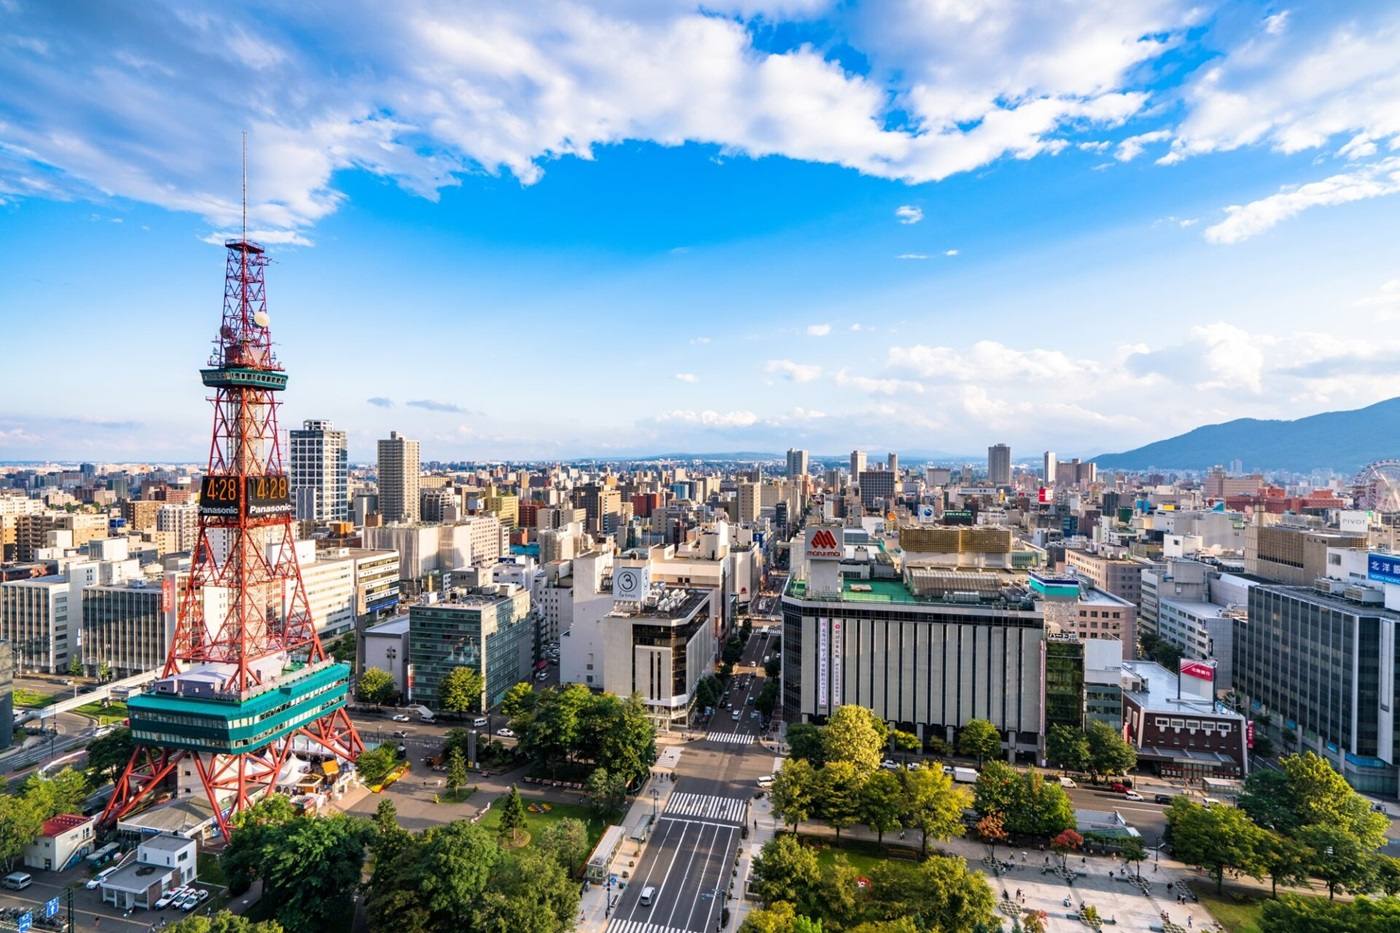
{"x":401,"y":717}
{"x":97,"y":879}
{"x":889,"y":765}
{"x":505,"y":733}
{"x":1132,"y":795}
{"x":1067,"y":782}
{"x":170,"y":897}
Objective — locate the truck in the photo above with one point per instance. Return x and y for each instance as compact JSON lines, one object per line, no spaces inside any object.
{"x":965,"y":775}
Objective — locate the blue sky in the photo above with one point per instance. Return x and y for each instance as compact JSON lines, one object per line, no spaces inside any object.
{"x":559,"y":229}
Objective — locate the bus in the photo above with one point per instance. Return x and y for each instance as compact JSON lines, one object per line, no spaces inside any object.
{"x":103,"y":855}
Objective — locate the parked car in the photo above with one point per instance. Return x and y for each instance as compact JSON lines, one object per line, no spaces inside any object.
{"x":1162,"y":798}
{"x":1118,"y":787}
{"x":1067,"y":782}
{"x":400,"y":717}
{"x":1133,"y":795}
{"x":505,"y":733}
{"x":889,"y":764}
{"x":97,"y":879}
{"x":170,"y":897}
{"x":480,"y":722}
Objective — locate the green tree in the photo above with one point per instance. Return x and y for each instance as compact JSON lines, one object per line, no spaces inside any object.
{"x":75,"y":666}
{"x":1309,"y":792}
{"x":342,"y":649}
{"x":805,"y":742}
{"x":253,"y":830}
{"x":19,"y":826}
{"x":456,"y":771}
{"x":607,"y":792}
{"x":901,"y":741}
{"x":934,"y":805}
{"x":1068,"y":747}
{"x":779,"y":917}
{"x":553,"y":733}
{"x":794,"y":792}
{"x":623,"y":738}
{"x":439,"y":883}
{"x":108,"y":755}
{"x":1214,"y":838}
{"x":996,"y":788}
{"x":707,"y":692}
{"x":979,"y":739}
{"x":528,"y":893}
{"x":854,"y":734}
{"x":311,"y":870}
{"x":1340,"y":860}
{"x":773,"y":666}
{"x":1285,"y":859}
{"x":786,"y":870}
{"x":390,"y":839}
{"x":1292,"y":914}
{"x":1042,"y":808}
{"x":375,"y":764}
{"x":223,"y":922}
{"x":1108,"y":752}
{"x":65,"y":792}
{"x":460,"y":690}
{"x":512,"y":817}
{"x":882,"y":803}
{"x":518,"y":702}
{"x":566,"y":841}
{"x":939,"y":894}
{"x":838,"y":794}
{"x":375,"y":686}
{"x":767,"y":698}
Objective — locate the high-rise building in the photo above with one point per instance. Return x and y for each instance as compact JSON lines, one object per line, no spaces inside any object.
{"x":126,"y":628}
{"x":1048,"y":469}
{"x":320,"y":472}
{"x":750,"y":502}
{"x":398,"y":479}
{"x":857,"y":465}
{"x":35,"y":620}
{"x":876,"y":488}
{"x":180,"y":520}
{"x":488,"y":632}
{"x":892,"y":462}
{"x":598,"y":503}
{"x":999,"y":465}
{"x":796,"y":464}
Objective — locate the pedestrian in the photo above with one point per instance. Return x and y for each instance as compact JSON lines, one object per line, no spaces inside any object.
{"x":1190,"y":921}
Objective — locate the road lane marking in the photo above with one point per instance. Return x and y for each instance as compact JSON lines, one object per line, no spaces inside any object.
{"x":685,"y":874}
{"x":707,"y":806}
{"x":731,"y":738}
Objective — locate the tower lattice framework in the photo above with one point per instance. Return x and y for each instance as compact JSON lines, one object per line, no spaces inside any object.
{"x":243,"y":618}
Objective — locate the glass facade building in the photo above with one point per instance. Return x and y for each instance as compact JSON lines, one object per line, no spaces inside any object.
{"x":487,"y":632}
{"x":1325,"y":670}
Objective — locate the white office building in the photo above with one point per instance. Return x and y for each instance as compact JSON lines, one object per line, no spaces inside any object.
{"x":320,"y":472}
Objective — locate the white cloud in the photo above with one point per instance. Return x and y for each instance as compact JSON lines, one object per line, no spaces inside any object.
{"x":984,"y":360}
{"x":710,"y":418}
{"x":950,"y":252}
{"x":878,"y":386}
{"x":912,"y":256}
{"x":909,"y":214}
{"x":699,"y":341}
{"x":818,"y":330}
{"x":1132,"y":147}
{"x":439,"y":91}
{"x":1299,"y":89}
{"x":1385,"y":303}
{"x":797,"y":372}
{"x":688,"y":377}
{"x":1243,"y":221}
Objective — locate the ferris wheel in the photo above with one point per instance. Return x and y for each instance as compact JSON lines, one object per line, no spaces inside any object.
{"x":1378,"y":486}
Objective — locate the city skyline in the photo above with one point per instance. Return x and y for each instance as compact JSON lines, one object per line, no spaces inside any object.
{"x":887,"y":241}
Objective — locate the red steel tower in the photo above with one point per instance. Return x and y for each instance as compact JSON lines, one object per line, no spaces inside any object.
{"x":247,"y":693}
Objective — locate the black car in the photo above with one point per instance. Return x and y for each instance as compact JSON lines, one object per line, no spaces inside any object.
{"x":1162,"y":798}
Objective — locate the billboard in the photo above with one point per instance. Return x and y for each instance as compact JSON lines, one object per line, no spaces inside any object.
{"x":927,"y":514}
{"x":1198,"y":669}
{"x":824,"y":544}
{"x":837,"y":649}
{"x":823,"y":654}
{"x":631,"y":583}
{"x":1383,"y":568}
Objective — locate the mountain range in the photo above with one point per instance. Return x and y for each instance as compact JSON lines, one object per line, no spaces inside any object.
{"x":1339,"y":440}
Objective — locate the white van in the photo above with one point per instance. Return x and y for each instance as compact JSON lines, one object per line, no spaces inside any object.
{"x":766,"y":781}
{"x":17,"y":881}
{"x":648,"y":895}
{"x":480,"y":722}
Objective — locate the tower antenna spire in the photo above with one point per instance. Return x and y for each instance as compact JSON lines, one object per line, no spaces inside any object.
{"x":245,"y":186}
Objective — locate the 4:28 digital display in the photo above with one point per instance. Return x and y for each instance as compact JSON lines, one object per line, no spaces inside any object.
{"x":253,"y":496}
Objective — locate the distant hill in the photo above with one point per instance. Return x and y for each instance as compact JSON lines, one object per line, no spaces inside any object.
{"x":1341,"y":440}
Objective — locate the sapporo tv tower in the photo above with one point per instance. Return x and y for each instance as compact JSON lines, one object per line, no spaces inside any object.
{"x":248,"y":697}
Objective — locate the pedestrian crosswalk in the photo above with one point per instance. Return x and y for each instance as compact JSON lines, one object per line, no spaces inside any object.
{"x":706,"y":806}
{"x":731,"y":738}
{"x":641,"y":926}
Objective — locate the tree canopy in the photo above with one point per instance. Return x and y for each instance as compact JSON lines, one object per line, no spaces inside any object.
{"x":375,"y":686}
{"x":460,"y":690}
{"x":854,"y":734}
{"x":979,"y":739}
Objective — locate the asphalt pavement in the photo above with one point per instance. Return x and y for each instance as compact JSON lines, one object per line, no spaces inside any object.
{"x":689,"y":860}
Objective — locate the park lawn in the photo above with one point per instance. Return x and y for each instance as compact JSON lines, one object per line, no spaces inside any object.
{"x":114,"y":711}
{"x":863,"y":856}
{"x":534,"y":822}
{"x":32,"y":699}
{"x":1238,"y":915}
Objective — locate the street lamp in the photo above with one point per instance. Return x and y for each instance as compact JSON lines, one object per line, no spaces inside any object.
{"x":655,"y":798}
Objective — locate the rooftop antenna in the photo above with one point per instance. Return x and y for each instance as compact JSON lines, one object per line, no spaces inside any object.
{"x":245,"y":186}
